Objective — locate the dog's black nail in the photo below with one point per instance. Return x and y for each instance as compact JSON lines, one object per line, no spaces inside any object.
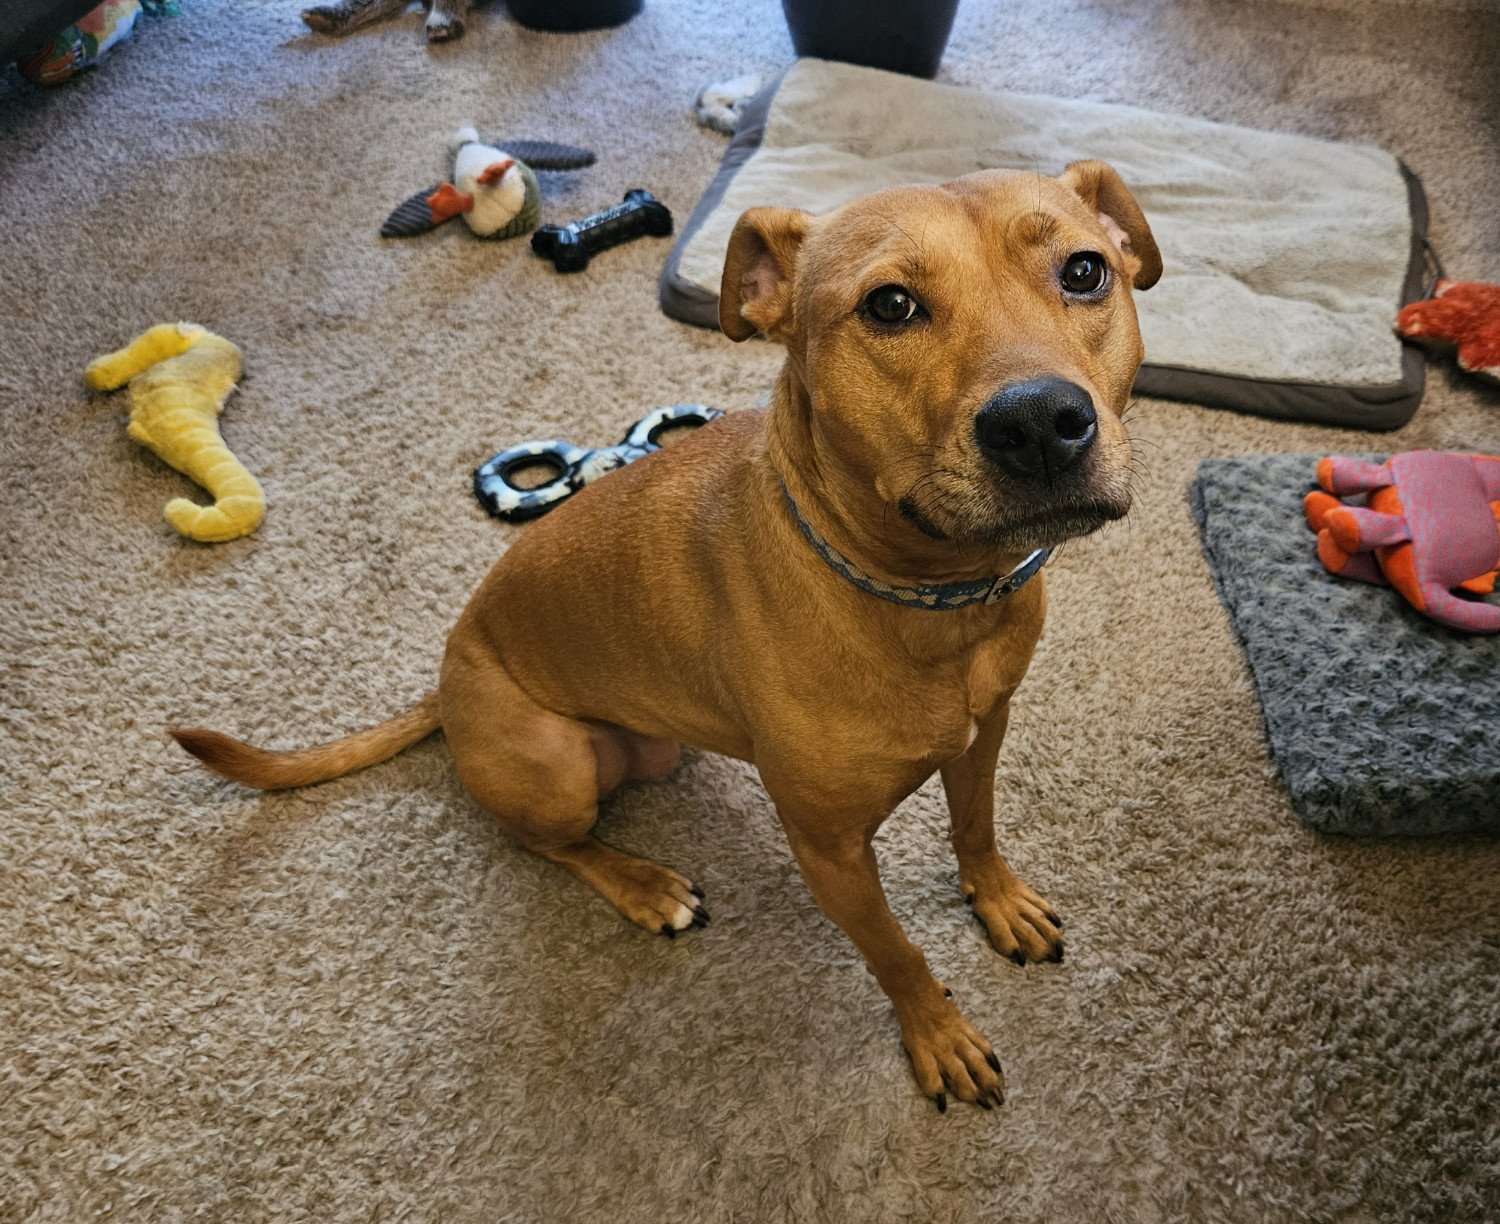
{"x":993,"y":1061}
{"x":669,"y":930}
{"x":942,"y":1102}
{"x":983,"y":1104}
{"x":702,"y":913}
{"x":1057,"y":955}
{"x":947,"y":994}
{"x":696,"y":891}
{"x":968,"y":898}
{"x":1019,"y":957}
{"x":1054,"y":919}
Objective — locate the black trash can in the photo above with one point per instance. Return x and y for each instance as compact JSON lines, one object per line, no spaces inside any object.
{"x":573,"y":14}
{"x":898,"y":35}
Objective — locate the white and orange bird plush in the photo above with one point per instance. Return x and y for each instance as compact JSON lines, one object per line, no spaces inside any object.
{"x":493,"y":189}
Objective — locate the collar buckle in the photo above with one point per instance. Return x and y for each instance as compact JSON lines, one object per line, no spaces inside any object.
{"x":1009,"y":584}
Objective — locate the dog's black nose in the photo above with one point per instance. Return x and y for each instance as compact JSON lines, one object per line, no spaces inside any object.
{"x":1037,"y":428}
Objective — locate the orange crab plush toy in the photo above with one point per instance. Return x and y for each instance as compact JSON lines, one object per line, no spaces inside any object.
{"x":1465,"y":314}
{"x":1430,"y":526}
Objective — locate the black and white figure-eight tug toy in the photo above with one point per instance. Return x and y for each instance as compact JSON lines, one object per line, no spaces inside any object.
{"x":571,"y":246}
{"x":494,"y":189}
{"x":575,"y":466}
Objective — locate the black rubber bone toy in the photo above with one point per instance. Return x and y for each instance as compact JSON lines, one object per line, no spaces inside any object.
{"x":571,"y":246}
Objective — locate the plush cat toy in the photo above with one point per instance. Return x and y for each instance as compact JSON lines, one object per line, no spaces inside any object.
{"x":494,"y":190}
{"x":1430,"y":524}
{"x":180,"y":374}
{"x":1464,"y":314}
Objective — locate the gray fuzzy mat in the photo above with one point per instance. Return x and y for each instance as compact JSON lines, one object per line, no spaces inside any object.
{"x":1380,"y":721}
{"x":1285,"y":257}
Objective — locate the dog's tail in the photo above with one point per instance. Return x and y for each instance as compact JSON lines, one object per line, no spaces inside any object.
{"x":257,"y":767}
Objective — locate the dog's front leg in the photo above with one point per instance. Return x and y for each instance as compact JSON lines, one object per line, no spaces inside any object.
{"x":1021,"y":924}
{"x":838,"y":861}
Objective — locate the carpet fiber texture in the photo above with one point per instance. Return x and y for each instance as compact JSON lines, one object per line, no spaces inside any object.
{"x":360,"y":1002}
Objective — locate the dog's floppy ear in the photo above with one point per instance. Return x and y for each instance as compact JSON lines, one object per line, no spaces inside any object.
{"x":1101,"y":188}
{"x":759,"y":271}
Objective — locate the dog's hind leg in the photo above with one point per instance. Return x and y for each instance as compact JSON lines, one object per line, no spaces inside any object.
{"x":541,"y":776}
{"x":1021,"y":924}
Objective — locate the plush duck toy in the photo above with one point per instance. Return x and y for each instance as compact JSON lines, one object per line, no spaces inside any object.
{"x":493,"y":189}
{"x":180,"y":374}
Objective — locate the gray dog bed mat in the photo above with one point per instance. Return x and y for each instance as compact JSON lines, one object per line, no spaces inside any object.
{"x":1286,"y":257}
{"x":1380,"y":721}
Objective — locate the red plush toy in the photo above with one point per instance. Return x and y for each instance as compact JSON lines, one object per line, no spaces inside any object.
{"x":1462,"y":313}
{"x":1430,"y":524}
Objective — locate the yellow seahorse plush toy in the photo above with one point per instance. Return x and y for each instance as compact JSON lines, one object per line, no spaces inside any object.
{"x":180,"y":374}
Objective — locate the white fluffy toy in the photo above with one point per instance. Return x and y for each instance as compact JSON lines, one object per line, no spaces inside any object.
{"x":493,"y":189}
{"x":720,"y":104}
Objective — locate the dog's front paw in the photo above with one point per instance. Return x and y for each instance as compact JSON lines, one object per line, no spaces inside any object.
{"x":1021,"y":925}
{"x":948,"y":1054}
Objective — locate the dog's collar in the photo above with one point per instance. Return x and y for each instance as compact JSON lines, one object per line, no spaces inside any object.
{"x":939,"y":596}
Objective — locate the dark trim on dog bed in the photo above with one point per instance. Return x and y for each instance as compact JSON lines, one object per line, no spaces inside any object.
{"x":678,"y":298}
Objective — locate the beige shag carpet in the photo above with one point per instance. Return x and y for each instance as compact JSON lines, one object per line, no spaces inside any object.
{"x":359,"y":1002}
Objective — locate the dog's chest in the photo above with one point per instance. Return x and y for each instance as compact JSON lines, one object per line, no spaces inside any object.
{"x":909,"y":701}
{"x":946,"y":706}
{"x":922,"y":716}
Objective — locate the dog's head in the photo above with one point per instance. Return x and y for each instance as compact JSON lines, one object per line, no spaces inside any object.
{"x":966,"y":349}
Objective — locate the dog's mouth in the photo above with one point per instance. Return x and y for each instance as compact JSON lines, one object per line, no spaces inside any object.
{"x":1047,"y":530}
{"x":982,"y":517}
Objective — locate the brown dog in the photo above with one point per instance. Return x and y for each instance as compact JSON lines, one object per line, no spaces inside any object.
{"x":811,"y":588}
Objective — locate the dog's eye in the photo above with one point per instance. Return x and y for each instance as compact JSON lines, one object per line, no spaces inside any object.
{"x":891,"y":304}
{"x":1085,"y":273}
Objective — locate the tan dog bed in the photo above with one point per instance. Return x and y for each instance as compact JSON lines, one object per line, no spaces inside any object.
{"x":1287,"y":257}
